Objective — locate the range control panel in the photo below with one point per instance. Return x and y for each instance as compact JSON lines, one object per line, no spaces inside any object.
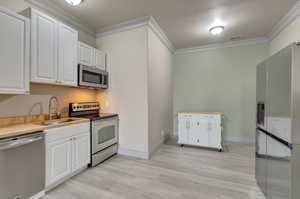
{"x":87,"y":106}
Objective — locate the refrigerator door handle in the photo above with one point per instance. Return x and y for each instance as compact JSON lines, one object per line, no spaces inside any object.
{"x":290,"y":145}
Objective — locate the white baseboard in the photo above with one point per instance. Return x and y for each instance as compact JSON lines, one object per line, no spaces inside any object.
{"x":238,"y":139}
{"x":57,"y":183}
{"x":133,"y":153}
{"x":38,"y":195}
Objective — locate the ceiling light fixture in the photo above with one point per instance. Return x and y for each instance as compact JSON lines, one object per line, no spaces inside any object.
{"x":216,"y":30}
{"x":74,"y":2}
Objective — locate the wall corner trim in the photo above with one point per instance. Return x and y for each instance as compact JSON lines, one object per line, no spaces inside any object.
{"x":57,"y":11}
{"x":160,"y":34}
{"x":258,"y":40}
{"x":293,"y":13}
{"x":137,"y":23}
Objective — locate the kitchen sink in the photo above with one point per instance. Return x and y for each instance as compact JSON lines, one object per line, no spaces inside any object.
{"x":47,"y":123}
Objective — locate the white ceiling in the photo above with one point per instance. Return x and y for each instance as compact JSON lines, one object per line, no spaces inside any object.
{"x":186,"y":22}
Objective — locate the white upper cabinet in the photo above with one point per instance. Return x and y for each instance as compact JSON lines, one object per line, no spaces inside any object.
{"x":85,"y":54}
{"x":90,"y":56}
{"x":67,"y":52}
{"x":44,"y":50}
{"x":100,"y":59}
{"x":54,"y":50}
{"x":14,"y":53}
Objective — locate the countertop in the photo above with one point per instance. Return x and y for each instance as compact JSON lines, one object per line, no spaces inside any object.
{"x":27,"y":128}
{"x":104,"y":116}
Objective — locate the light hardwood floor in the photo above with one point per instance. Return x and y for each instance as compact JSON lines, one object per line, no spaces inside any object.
{"x":172,"y":173}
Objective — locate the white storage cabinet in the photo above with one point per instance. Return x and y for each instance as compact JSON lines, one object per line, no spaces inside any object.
{"x":85,"y":54}
{"x":53,"y":50}
{"x":67,"y":151}
{"x":90,"y":56}
{"x":67,"y":59}
{"x":14,"y":53}
{"x":200,"y":129}
{"x":100,"y":59}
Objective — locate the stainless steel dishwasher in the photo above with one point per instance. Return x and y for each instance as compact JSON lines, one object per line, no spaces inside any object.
{"x":22,"y":166}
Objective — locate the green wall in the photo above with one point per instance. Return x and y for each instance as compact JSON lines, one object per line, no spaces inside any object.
{"x":222,"y":80}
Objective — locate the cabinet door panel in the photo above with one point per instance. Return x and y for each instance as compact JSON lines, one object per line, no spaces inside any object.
{"x":58,"y":160}
{"x":198,"y":132}
{"x":43,"y":48}
{"x":100,"y":59}
{"x":81,"y":149}
{"x":203,"y":135}
{"x":85,"y":54}
{"x":183,"y":131}
{"x":67,"y":55}
{"x":194,"y":132}
{"x":14,"y":53}
{"x":214,"y":134}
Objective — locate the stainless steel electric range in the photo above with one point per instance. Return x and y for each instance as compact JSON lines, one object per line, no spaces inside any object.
{"x":104,"y":130}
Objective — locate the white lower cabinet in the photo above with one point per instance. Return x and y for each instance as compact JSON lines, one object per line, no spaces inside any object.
{"x":200,"y":129}
{"x":81,"y":151}
{"x":59,"y":160}
{"x":67,"y":151}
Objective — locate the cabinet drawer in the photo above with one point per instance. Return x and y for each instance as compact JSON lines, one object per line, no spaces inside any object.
{"x":208,"y":116}
{"x":66,"y":131}
{"x":184,"y":116}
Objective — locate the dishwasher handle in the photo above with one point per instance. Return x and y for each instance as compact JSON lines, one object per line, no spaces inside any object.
{"x":19,"y":142}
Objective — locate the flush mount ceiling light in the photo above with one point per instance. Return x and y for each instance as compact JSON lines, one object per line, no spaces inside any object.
{"x":74,"y":2}
{"x":216,"y":30}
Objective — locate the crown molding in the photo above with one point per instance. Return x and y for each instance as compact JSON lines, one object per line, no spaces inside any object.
{"x":161,"y":34}
{"x":128,"y":25}
{"x":136,"y":23}
{"x":293,"y":13}
{"x":258,"y":40}
{"x":60,"y":13}
{"x":154,"y":26}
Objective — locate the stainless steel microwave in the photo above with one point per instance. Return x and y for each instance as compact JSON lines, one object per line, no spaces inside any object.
{"x":92,"y":77}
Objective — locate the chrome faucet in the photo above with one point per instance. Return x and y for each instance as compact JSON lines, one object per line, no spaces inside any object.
{"x":57,"y":113}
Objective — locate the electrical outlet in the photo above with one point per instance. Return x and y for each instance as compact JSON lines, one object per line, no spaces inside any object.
{"x":162,"y":133}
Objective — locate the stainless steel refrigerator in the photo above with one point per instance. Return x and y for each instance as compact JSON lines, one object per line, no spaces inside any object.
{"x":278,"y":124}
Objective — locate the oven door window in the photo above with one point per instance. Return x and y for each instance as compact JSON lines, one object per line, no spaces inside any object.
{"x":90,"y":77}
{"x":106,"y":134}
